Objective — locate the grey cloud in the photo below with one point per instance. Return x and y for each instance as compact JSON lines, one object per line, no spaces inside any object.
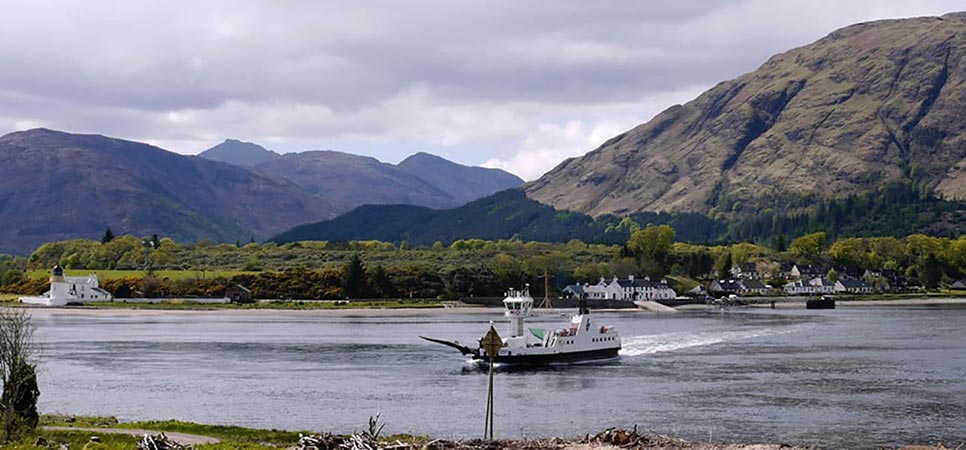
{"x":472,"y":75}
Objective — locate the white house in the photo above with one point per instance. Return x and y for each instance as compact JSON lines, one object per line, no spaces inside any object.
{"x":64,"y":290}
{"x":747,"y":271}
{"x":799,"y":287}
{"x":817,"y":285}
{"x":823,"y":285}
{"x":588,"y":291}
{"x":807,"y":271}
{"x":852,"y":287}
{"x":743,"y":287}
{"x":630,"y":289}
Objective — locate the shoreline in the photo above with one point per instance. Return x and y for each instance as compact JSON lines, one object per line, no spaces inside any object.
{"x":78,"y":429}
{"x":445,"y":311}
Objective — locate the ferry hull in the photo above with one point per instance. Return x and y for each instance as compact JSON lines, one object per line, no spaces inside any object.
{"x":554,"y":358}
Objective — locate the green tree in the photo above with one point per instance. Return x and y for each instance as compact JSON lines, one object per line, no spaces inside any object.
{"x":850,"y":252}
{"x":11,"y":276}
{"x":930,"y":271}
{"x":832,"y":275}
{"x":742,"y":252}
{"x":809,"y":246}
{"x":20,"y":392}
{"x":722,"y":266}
{"x":353,"y":281}
{"x":778,"y":243}
{"x":108,"y":236}
{"x":651,"y":247}
{"x":381,"y":283}
{"x":507,"y":270}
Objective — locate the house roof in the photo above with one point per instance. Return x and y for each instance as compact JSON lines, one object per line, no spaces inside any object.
{"x":727,"y":285}
{"x":853,"y":284}
{"x":753,"y":284}
{"x":575,"y":288}
{"x":640,"y":283}
{"x":810,"y":268}
{"x":821,"y":281}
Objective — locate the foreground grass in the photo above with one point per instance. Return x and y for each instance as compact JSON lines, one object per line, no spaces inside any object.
{"x":232,"y":437}
{"x":108,"y":441}
{"x":223,"y":432}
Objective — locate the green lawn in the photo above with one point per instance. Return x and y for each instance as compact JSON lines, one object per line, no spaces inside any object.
{"x":171,"y":274}
{"x":223,"y":432}
{"x":232,"y":437}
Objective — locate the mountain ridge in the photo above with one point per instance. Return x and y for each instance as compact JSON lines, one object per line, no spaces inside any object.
{"x":869,"y":103}
{"x":350,"y":180}
{"x":58,"y":185}
{"x":239,"y":153}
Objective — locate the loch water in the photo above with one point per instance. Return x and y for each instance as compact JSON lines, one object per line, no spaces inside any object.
{"x":845,"y":378}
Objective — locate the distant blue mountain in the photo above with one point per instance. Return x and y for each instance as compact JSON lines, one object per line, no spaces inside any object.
{"x":349,"y":181}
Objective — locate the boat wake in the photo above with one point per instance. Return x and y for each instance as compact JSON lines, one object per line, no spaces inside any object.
{"x":669,"y":342}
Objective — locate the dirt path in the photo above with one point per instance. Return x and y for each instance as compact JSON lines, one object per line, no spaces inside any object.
{"x":182,"y":438}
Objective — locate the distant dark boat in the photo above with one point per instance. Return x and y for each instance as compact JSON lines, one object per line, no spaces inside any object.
{"x":820,"y":303}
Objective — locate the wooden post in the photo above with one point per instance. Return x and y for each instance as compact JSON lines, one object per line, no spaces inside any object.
{"x":491,"y":343}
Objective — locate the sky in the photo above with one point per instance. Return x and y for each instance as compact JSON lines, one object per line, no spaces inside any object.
{"x":514,"y":85}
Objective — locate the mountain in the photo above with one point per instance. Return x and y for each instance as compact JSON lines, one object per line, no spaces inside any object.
{"x":352,"y":180}
{"x":349,"y":180}
{"x":504,"y":215}
{"x":56,"y":185}
{"x":239,"y":153}
{"x":896,"y":210}
{"x":463,"y":183}
{"x":869,"y":104}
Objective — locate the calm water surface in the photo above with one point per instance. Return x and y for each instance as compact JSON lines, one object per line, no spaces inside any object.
{"x":848,"y":378}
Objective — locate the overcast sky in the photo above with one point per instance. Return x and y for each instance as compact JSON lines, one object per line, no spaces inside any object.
{"x":519,"y":85}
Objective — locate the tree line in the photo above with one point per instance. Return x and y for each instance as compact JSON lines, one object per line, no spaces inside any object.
{"x":474,"y":267}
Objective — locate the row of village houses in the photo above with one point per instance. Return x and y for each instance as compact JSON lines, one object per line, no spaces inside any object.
{"x":813,"y":279}
{"x":814,"y":286}
{"x":629,"y":289}
{"x":801,"y":280}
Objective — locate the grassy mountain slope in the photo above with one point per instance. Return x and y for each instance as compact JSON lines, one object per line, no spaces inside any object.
{"x":505,"y":215}
{"x":869,"y":104}
{"x":895,"y":210}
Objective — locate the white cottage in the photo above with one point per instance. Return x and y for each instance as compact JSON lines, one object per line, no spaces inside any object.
{"x":630,"y":290}
{"x":64,"y":290}
{"x":817,"y":285}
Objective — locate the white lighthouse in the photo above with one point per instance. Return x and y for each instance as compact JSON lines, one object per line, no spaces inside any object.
{"x":59,"y":292}
{"x":64,"y":290}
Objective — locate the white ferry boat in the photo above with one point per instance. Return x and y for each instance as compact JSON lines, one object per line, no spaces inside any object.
{"x":582,"y":340}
